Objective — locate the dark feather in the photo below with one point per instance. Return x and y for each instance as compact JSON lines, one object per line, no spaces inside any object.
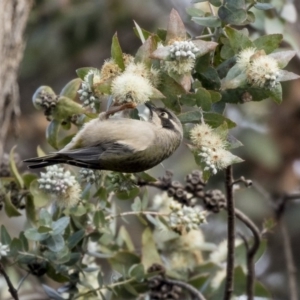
{"x":91,"y":157}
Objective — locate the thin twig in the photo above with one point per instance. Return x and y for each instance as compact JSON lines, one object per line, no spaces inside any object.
{"x":290,"y":263}
{"x":230,"y":234}
{"x":288,"y":254}
{"x":135,"y":213}
{"x":12,"y":290}
{"x":22,"y":280}
{"x":193,"y":291}
{"x":109,"y":287}
{"x":251,"y":251}
{"x":279,"y":209}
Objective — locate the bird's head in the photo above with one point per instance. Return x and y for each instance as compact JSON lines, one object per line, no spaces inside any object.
{"x":163,"y":117}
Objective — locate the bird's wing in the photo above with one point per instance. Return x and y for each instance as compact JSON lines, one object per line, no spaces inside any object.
{"x":97,"y":153}
{"x":90,"y":157}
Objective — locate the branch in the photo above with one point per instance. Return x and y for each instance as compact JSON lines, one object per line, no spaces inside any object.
{"x":230,"y":234}
{"x":251,"y":251}
{"x":12,"y":290}
{"x":290,"y":264}
{"x":193,"y":291}
{"x":136,"y":213}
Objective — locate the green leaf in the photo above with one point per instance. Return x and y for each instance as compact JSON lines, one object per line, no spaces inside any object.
{"x":195,"y":12}
{"x":126,"y":238}
{"x":10,"y":209}
{"x":276,"y":93}
{"x":52,"y":132}
{"x":5,"y":237}
{"x":149,"y":250}
{"x":136,"y":205}
{"x":75,"y":238}
{"x":193,"y":116}
{"x":24,"y":241}
{"x":28,"y":178}
{"x":162,"y":33}
{"x":99,"y":218}
{"x":215,"y":96}
{"x":66,"y":108}
{"x":55,"y":243}
{"x":263,"y":6}
{"x":142,"y":34}
{"x":34,"y":235}
{"x":78,"y":210}
{"x":283,"y":57}
{"x":40,"y":198}
{"x":52,"y":293}
{"x":116,"y":52}
{"x":44,"y":229}
{"x":30,"y":209}
{"x":210,"y":21}
{"x":144,"y":52}
{"x":238,"y":39}
{"x":215,"y":120}
{"x":56,"y":276}
{"x":45,"y":218}
{"x":71,"y":88}
{"x":60,"y":225}
{"x":128,"y":194}
{"x":203,"y":99}
{"x":82,"y":72}
{"x":269,"y":43}
{"x":15,"y":247}
{"x":215,"y":3}
{"x":232,"y":15}
{"x":14,"y":169}
{"x":172,"y":90}
{"x":123,"y":260}
{"x":137,"y":271}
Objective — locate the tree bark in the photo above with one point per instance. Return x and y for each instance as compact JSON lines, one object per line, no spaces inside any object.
{"x":13,"y":19}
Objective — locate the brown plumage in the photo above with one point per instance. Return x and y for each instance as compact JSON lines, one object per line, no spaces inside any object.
{"x":122,"y":145}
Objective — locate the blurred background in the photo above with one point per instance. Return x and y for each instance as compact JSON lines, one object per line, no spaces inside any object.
{"x":63,"y":35}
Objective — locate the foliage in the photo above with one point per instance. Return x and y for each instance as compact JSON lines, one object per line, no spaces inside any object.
{"x":64,"y":240}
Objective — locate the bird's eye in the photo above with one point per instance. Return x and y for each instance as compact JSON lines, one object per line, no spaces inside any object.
{"x":164,"y":115}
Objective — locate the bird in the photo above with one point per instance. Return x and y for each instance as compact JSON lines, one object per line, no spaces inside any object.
{"x":120,"y":144}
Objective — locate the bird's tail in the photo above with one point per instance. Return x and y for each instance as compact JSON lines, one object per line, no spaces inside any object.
{"x":44,"y":161}
{"x":57,"y":158}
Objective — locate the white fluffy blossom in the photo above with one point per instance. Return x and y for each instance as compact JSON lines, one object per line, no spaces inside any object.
{"x":130,"y":87}
{"x":4,"y":249}
{"x":211,"y":145}
{"x":244,"y":57}
{"x":57,"y":181}
{"x":152,"y":74}
{"x":263,"y":72}
{"x":216,"y":158}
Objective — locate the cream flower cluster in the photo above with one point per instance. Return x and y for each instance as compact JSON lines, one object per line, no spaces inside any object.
{"x":183,"y":58}
{"x":4,"y":249}
{"x":86,"y":92}
{"x":87,"y":175}
{"x":185,"y":217}
{"x":212,"y":147}
{"x":183,"y":50}
{"x":61,"y":183}
{"x":261,"y":70}
{"x":133,"y":85}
